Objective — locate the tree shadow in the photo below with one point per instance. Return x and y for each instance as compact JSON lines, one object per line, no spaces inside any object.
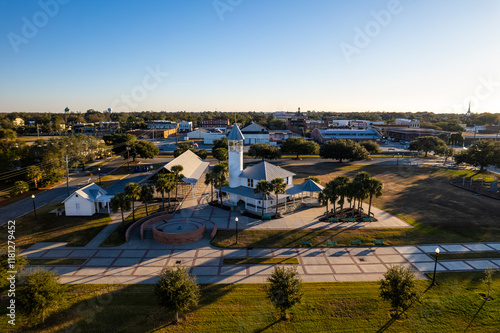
{"x":268,"y":326}
{"x":475,"y":315}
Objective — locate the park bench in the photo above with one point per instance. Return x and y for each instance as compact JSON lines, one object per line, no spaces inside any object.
{"x":266,"y":217}
{"x":305,"y":243}
{"x":350,"y":219}
{"x":367,"y":219}
{"x":332,"y":220}
{"x":331,"y":243}
{"x":378,"y":242}
{"x":355,"y":242}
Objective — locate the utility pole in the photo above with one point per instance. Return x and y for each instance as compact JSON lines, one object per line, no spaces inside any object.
{"x":67,"y":176}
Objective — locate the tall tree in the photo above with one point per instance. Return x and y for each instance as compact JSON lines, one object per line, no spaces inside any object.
{"x":219,"y":173}
{"x":133,"y":193}
{"x":285,"y":288}
{"x":176,"y":170}
{"x":146,"y":149}
{"x":34,"y":174}
{"x":371,"y":146}
{"x":299,"y":146}
{"x":264,"y":188}
{"x":177,"y":291}
{"x":120,"y":202}
{"x":161,"y":186}
{"x":342,"y":149}
{"x":210,"y":180}
{"x":482,"y":153}
{"x":398,"y":287}
{"x":220,"y":154}
{"x":374,"y":188}
{"x":146,"y":195}
{"x":278,"y":186}
{"x":264,"y":151}
{"x":341,"y":191}
{"x":427,"y":144}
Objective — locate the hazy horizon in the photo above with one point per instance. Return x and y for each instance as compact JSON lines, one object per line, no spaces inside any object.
{"x":237,"y":56}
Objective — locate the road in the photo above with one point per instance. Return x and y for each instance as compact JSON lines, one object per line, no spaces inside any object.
{"x":76,"y":181}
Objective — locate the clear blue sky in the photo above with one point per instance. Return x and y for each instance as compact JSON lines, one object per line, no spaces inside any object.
{"x":251,"y":55}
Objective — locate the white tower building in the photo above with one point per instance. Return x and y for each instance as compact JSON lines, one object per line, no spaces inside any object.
{"x":235,"y":155}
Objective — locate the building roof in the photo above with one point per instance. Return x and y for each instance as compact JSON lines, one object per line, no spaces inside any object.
{"x":235,"y":134}
{"x":265,"y":171}
{"x":193,"y":166}
{"x":349,"y":133}
{"x":89,"y":192}
{"x":254,"y":128}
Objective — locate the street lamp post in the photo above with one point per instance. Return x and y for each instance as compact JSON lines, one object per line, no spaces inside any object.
{"x":236,"y":220}
{"x":397,"y":159}
{"x":99,"y":171}
{"x":435,"y":266}
{"x":34,"y":205}
{"x":128,"y":156}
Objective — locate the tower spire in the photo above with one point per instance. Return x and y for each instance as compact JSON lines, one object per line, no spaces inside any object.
{"x":468,"y":111}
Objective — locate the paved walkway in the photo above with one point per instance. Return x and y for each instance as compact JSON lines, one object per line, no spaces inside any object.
{"x":206,"y":263}
{"x":140,"y":261}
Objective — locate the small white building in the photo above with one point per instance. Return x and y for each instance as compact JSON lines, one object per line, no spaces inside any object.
{"x":209,"y":138}
{"x":87,"y":201}
{"x":412,"y":123}
{"x":254,"y":133}
{"x":198,"y":133}
{"x":185,"y":126}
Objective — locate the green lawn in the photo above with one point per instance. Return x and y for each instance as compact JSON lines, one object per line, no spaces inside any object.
{"x":454,"y":305}
{"x":118,"y":236}
{"x":76,"y":230}
{"x":261,"y":261}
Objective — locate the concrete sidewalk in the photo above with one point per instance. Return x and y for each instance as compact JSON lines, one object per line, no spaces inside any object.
{"x":206,"y":263}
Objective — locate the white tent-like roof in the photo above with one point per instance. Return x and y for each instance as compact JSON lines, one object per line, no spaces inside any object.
{"x":193,"y":166}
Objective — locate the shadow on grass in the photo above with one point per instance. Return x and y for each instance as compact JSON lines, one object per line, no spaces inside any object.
{"x":259,"y":330}
{"x":475,"y":315}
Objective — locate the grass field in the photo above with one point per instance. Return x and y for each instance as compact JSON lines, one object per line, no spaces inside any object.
{"x":117,"y":237}
{"x":76,"y":230}
{"x":423,"y":196}
{"x":456,"y":304}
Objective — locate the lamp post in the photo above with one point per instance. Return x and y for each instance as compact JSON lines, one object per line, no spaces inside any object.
{"x":151,"y":168}
{"x":34,"y":205}
{"x":236,"y":220}
{"x":435,"y":266}
{"x":397,"y":159}
{"x":99,"y":171}
{"x":128,"y":156}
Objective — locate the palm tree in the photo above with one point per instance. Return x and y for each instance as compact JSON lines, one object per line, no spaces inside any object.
{"x":337,"y":184}
{"x":323,"y":199}
{"x":177,"y":169}
{"x":210,"y":180}
{"x":278,"y":186}
{"x":133,"y":193}
{"x":263,"y":187}
{"x":342,"y":191}
{"x":160,"y":186}
{"x":220,"y":174}
{"x":374,"y":188}
{"x":170,"y":185}
{"x":121,"y":202}
{"x":362,"y":178}
{"x":146,"y":195}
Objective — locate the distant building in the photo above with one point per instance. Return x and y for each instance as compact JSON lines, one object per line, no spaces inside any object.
{"x":162,"y":124}
{"x":185,"y":126}
{"x":410,"y":134}
{"x":198,"y":133}
{"x":255,"y":133}
{"x":87,"y":201}
{"x":210,"y":137}
{"x":278,"y":136}
{"x":283,"y":115}
{"x":412,"y":123}
{"x":222,"y":123}
{"x":349,"y":134}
